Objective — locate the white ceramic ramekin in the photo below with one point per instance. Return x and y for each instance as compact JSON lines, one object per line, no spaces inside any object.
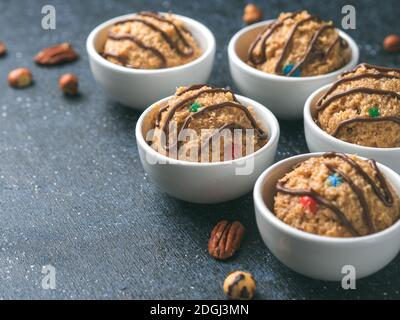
{"x":319,"y":140}
{"x":139,"y":88}
{"x":208,"y":182}
{"x":316,"y":256}
{"x":285,"y":96}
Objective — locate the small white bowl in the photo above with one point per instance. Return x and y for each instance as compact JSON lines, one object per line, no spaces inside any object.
{"x":208,"y":182}
{"x":138,"y":88}
{"x":285,"y":96}
{"x":316,"y":256}
{"x":319,"y":140}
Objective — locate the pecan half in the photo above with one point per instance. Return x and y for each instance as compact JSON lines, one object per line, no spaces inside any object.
{"x":225,"y":239}
{"x":57,"y":54}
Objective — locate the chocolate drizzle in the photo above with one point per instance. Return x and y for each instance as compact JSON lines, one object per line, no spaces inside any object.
{"x":271,"y":28}
{"x":229,"y":126}
{"x":204,"y":110}
{"x":354,"y":78}
{"x":357,"y":120}
{"x":263,"y":38}
{"x":322,"y":201}
{"x":214,"y":107}
{"x":121,"y":59}
{"x":326,"y":103}
{"x":326,"y":99}
{"x":182,"y":104}
{"x":278,"y":66}
{"x":370,"y":66}
{"x":310,"y":48}
{"x":360,"y":195}
{"x":167,"y":38}
{"x":140,"y":44}
{"x":384,"y":195}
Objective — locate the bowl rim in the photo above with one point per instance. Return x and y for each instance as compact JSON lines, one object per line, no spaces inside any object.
{"x":234,"y":58}
{"x":189,"y":22}
{"x":268,"y":215}
{"x":309,"y":121}
{"x":272,"y":125}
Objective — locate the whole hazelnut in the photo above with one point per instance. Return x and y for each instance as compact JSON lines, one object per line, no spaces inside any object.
{"x":20,"y":78}
{"x":392,"y":43}
{"x":252,"y":14}
{"x":239,"y":285}
{"x":3,"y":49}
{"x":69,"y":84}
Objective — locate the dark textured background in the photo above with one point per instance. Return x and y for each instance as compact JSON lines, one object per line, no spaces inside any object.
{"x":73,"y":193}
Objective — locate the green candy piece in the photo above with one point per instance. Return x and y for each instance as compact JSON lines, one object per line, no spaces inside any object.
{"x":195,"y":107}
{"x":374,"y":112}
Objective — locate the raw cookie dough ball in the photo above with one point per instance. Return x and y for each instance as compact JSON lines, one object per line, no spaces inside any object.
{"x":363,"y":107}
{"x":336,"y":195}
{"x":299,"y":44}
{"x":239,"y":285}
{"x":150,"y":41}
{"x":207,"y":124}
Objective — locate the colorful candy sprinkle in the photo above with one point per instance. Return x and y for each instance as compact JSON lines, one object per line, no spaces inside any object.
{"x":309,"y":203}
{"x":335,"y":180}
{"x":288,"y":68}
{"x":374,"y":112}
{"x":195,"y":106}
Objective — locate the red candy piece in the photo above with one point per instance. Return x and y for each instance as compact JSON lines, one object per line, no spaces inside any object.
{"x":309,"y":203}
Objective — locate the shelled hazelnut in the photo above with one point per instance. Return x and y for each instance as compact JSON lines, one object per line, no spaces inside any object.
{"x":20,"y":78}
{"x":69,"y":84}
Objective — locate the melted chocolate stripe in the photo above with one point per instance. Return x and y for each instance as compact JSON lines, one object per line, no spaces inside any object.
{"x":278,"y":65}
{"x":213,"y":107}
{"x":355,"y":120}
{"x":326,"y":103}
{"x":371,"y":66}
{"x":182,"y":103}
{"x":195,"y":87}
{"x":385,"y":196}
{"x":310,"y":47}
{"x":179,"y":105}
{"x":366,"y":214}
{"x":121,"y":59}
{"x":263,"y":37}
{"x":354,"y":78}
{"x":139,"y":44}
{"x":230,"y":126}
{"x":382,"y":181}
{"x":178,"y":32}
{"x":165,"y":36}
{"x":322,"y":201}
{"x":334,"y":43}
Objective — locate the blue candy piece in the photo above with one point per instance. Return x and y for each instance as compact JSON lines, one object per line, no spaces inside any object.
{"x":288,"y":68}
{"x":335,"y":180}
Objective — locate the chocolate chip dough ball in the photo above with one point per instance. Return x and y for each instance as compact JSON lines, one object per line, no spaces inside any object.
{"x":363,"y":107}
{"x":298,"y":44}
{"x":336,"y":195}
{"x":202,"y":123}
